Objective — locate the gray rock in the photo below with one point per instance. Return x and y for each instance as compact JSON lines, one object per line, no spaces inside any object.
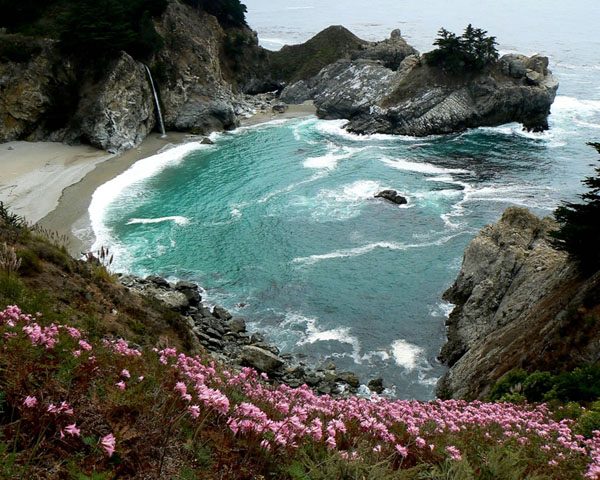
{"x":158,"y":281}
{"x":349,"y":378}
{"x":280,"y":108}
{"x":376,"y":385}
{"x":418,"y":100}
{"x":260,"y":359}
{"x":190,"y":290}
{"x":390,"y":52}
{"x":296,"y":93}
{"x":237,"y":325}
{"x":207,"y":141}
{"x":220,"y":313}
{"x":172,"y":299}
{"x":393,"y":196}
{"x":257,"y":338}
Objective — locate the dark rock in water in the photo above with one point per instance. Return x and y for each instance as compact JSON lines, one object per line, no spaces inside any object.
{"x":257,"y":338}
{"x":260,"y":359}
{"x":280,"y":108}
{"x":237,"y":325}
{"x":207,"y":141}
{"x":349,"y":378}
{"x":392,"y":196}
{"x":376,"y":385}
{"x":221,"y":313}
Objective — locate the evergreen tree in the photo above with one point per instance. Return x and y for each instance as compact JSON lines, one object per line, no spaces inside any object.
{"x":579,"y":232}
{"x":472,"y":51}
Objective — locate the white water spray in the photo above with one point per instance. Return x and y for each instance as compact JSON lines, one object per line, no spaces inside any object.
{"x":160,"y":118}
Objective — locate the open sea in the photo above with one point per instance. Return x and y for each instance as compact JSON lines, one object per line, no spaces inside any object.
{"x":278,"y":222}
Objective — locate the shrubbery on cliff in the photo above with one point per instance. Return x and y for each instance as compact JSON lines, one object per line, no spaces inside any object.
{"x":470,"y":52}
{"x":228,"y":12}
{"x":579,"y":232}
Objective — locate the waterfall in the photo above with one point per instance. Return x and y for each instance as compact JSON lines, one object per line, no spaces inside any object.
{"x":159,"y":113}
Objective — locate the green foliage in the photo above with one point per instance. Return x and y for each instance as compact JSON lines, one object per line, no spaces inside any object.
{"x":228,"y":12}
{"x":581,"y":385}
{"x":579,"y":232}
{"x":101,"y":28}
{"x":471,"y":52}
{"x":16,"y":48}
{"x":510,"y":383}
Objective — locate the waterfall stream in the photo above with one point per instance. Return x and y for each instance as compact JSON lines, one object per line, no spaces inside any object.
{"x":160,"y":118}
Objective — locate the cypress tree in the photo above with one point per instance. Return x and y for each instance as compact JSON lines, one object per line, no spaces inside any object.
{"x":579,"y":232}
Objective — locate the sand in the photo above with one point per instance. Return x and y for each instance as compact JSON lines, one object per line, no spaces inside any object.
{"x":52,"y":183}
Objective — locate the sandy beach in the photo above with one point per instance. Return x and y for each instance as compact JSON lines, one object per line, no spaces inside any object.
{"x":52,"y":183}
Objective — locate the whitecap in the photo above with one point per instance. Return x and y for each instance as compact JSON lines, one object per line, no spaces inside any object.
{"x":362,"y":250}
{"x":337,"y":128}
{"x":403,"y":164}
{"x":177,"y":219}
{"x":406,"y":354}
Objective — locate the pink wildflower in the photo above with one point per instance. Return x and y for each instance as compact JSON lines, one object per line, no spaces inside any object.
{"x":108,"y":444}
{"x":121,"y":385}
{"x":402,"y":450}
{"x":125,"y":373}
{"x":454,"y":452}
{"x":141,"y":378}
{"x":73,"y":430}
{"x":30,"y":402}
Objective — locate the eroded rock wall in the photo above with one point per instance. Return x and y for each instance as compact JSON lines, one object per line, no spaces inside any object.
{"x":516,"y":306}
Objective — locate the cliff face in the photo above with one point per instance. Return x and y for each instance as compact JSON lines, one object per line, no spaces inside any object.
{"x":519,"y":304}
{"x":47,"y":96}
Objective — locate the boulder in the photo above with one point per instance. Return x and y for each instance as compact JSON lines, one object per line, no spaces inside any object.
{"x":349,"y":378}
{"x":393,"y":196}
{"x":296,"y":93}
{"x":260,"y":359}
{"x":190,"y":290}
{"x":280,"y":108}
{"x":376,"y":385}
{"x":236,"y":325}
{"x":220,"y":313}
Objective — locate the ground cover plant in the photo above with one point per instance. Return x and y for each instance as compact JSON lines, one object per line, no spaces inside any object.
{"x":76,"y":405}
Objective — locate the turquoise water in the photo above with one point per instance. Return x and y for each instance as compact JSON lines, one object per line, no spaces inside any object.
{"x":279,"y":224}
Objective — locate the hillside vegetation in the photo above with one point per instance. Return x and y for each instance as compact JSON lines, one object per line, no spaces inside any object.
{"x":100,"y":383}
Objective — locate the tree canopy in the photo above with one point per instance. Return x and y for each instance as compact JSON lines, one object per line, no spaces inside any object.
{"x":471,"y":51}
{"x":228,"y":12}
{"x":579,"y":232}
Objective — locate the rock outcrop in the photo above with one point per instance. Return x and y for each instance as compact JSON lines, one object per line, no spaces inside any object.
{"x":517,"y":301}
{"x":392,"y":196}
{"x":388,"y":88}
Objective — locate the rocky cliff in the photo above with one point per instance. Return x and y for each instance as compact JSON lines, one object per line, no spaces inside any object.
{"x":389,"y":88}
{"x":47,"y":95}
{"x":519,"y":303}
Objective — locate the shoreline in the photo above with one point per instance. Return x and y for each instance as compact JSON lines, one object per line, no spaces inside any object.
{"x":68,"y":214}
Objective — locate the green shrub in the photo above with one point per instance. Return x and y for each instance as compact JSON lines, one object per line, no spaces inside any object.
{"x":472,"y":51}
{"x":30,"y":263}
{"x":510,"y":383}
{"x":537,"y":385}
{"x":579,"y":232}
{"x":102,"y":28}
{"x":228,"y":12}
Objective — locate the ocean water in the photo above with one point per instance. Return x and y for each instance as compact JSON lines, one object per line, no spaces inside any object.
{"x":278,"y":222}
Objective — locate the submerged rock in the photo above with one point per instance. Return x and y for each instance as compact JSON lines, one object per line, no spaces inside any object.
{"x":393,"y":196}
{"x":376,"y":385}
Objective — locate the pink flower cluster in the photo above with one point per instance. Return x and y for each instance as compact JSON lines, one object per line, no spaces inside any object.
{"x":283,"y":418}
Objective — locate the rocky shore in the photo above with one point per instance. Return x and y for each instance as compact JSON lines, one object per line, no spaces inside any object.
{"x":227,"y":340}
